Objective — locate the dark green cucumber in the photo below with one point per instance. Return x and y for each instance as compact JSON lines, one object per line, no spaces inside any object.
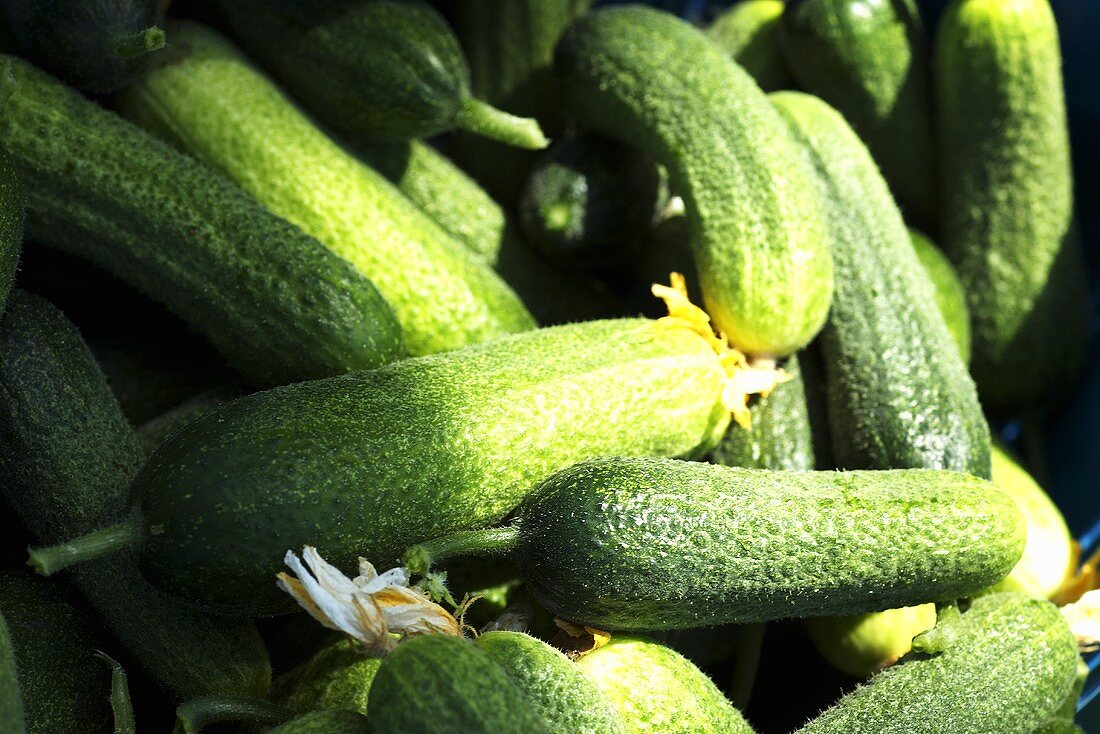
{"x":11,"y":224}
{"x":437,"y":684}
{"x":1009,"y":667}
{"x":274,"y":301}
{"x":11,"y":699}
{"x":758,"y":228}
{"x":338,"y":676}
{"x":749,"y":32}
{"x":67,"y":456}
{"x":870,"y":60}
{"x":899,"y":394}
{"x":554,"y":686}
{"x":156,"y":431}
{"x":950,"y":296}
{"x":650,"y":544}
{"x":95,"y":45}
{"x":325,"y":722}
{"x":1007,"y":195}
{"x":373,"y":69}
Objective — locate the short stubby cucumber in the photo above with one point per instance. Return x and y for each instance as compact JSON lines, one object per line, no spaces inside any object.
{"x":950,"y":296}
{"x":758,"y":226}
{"x":11,"y":224}
{"x":749,"y":32}
{"x":1007,"y":193}
{"x":899,"y":394}
{"x":273,"y":301}
{"x":207,"y":98}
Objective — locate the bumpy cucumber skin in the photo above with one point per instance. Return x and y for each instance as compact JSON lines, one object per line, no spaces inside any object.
{"x":275,"y":302}
{"x":369,"y":463}
{"x":339,"y":676}
{"x":64,"y":687}
{"x":1007,"y":197}
{"x":325,"y":722}
{"x":11,"y":699}
{"x":749,"y":32}
{"x":870,"y":60}
{"x":208,"y":99}
{"x":1008,"y":669}
{"x":655,"y":689}
{"x":436,"y":684}
{"x":11,"y":225}
{"x":950,"y":296}
{"x":899,"y":393}
{"x":635,"y":544}
{"x":67,"y":456}
{"x":156,"y":431}
{"x":555,"y":687}
{"x":758,"y":229}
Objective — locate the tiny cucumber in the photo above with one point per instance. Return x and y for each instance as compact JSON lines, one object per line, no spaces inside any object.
{"x":758,"y":225}
{"x":11,"y":223}
{"x":207,"y":98}
{"x":950,"y":296}
{"x":749,"y":32}
{"x":11,"y":699}
{"x":325,"y":722}
{"x":338,"y":676}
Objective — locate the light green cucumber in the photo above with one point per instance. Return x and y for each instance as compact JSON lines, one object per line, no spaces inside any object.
{"x":863,"y":644}
{"x":1007,"y":198}
{"x":204,"y":96}
{"x":758,"y":227}
{"x":11,"y":698}
{"x":325,"y":722}
{"x":338,"y":676}
{"x":950,"y":296}
{"x":749,"y":32}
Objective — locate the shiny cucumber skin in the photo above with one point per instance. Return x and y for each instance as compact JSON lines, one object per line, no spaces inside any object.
{"x":370,"y":463}
{"x":11,"y":225}
{"x":11,"y":699}
{"x":274,"y":302}
{"x":758,"y":225}
{"x":649,"y":544}
{"x":899,"y":393}
{"x":67,"y":456}
{"x":871,"y":61}
{"x":1012,"y":661}
{"x":749,"y":32}
{"x":950,"y":296}
{"x":1007,"y":193}
{"x":325,"y":722}
{"x":208,"y":99}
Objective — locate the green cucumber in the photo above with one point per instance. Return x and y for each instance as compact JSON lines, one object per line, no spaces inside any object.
{"x":649,"y":544}
{"x":950,"y":296}
{"x":67,"y":456}
{"x":1007,"y":195}
{"x":11,"y":699}
{"x":156,"y":431}
{"x":870,"y":60}
{"x":95,"y":45}
{"x":368,"y":463}
{"x":758,"y":227}
{"x":373,"y":69}
{"x":325,"y":722}
{"x":655,"y":689}
{"x":439,"y":684}
{"x":11,"y":224}
{"x":204,"y":96}
{"x":863,"y":644}
{"x":275,"y":302}
{"x":1009,"y":666}
{"x":749,"y":32}
{"x":555,"y":687}
{"x":338,"y":676}
{"x":899,"y":394}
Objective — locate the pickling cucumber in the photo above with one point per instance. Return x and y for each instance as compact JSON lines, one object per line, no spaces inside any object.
{"x":338,"y":676}
{"x":863,"y":644}
{"x":11,"y":224}
{"x":749,"y":32}
{"x":950,"y":296}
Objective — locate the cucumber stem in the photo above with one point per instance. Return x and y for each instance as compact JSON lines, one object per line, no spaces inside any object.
{"x":482,"y":118}
{"x":121,"y":706}
{"x":195,"y":715}
{"x":488,"y":542}
{"x":48,"y":561}
{"x":151,"y":39}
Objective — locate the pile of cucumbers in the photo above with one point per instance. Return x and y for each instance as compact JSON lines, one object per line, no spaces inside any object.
{"x":638,"y":376}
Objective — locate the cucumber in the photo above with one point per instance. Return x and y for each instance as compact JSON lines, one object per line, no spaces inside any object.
{"x":441,"y":684}
{"x":67,"y":456}
{"x":899,"y":394}
{"x":950,"y":296}
{"x":325,"y":722}
{"x":11,"y":224}
{"x":677,"y":544}
{"x":555,"y":687}
{"x":338,"y":676}
{"x":1007,"y":195}
{"x":758,"y":226}
{"x":11,"y":699}
{"x":870,"y":60}
{"x":749,"y":32}
{"x":655,"y":689}
{"x":96,"y":45}
{"x":863,"y":644}
{"x":272,"y":300}
{"x":373,"y":69}
{"x":1012,"y":661}
{"x":207,"y":98}
{"x":365,"y":464}
{"x":156,"y":431}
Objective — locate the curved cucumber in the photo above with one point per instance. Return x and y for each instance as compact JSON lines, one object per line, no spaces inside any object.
{"x":950,"y":296}
{"x":758,"y":229}
{"x":749,"y":32}
{"x":11,"y":224}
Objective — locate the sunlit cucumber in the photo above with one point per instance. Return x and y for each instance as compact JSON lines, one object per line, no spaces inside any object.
{"x":950,"y":296}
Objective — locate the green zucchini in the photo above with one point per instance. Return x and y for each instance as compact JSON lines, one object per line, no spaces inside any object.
{"x":325,"y":722}
{"x":368,"y":463}
{"x":11,"y":224}
{"x":11,"y":699}
{"x":67,"y":456}
{"x":863,"y":644}
{"x":555,"y":687}
{"x":870,"y":60}
{"x":275,"y":302}
{"x":95,"y":45}
{"x":655,"y":689}
{"x":650,"y":544}
{"x":1009,"y":666}
{"x":439,"y":684}
{"x":1007,"y":195}
{"x":898,"y":391}
{"x":207,"y":98}
{"x":338,"y":676}
{"x":749,"y":32}
{"x":758,"y":226}
{"x":950,"y":296}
